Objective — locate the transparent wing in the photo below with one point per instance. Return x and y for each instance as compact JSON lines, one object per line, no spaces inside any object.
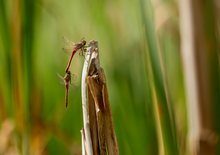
{"x":68,"y":42}
{"x":73,"y":80}
{"x":68,"y":45}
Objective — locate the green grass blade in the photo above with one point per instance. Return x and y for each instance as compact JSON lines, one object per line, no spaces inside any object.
{"x":165,"y":122}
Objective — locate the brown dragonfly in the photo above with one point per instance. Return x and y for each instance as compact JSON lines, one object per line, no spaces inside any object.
{"x":67,"y":82}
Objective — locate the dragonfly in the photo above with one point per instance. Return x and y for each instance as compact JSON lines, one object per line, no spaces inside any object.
{"x":67,"y":82}
{"x":75,"y":47}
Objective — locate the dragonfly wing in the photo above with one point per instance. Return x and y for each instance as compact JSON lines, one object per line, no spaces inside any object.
{"x":67,"y":41}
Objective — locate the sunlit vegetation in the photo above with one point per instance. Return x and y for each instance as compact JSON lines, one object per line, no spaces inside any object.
{"x":142,"y":51}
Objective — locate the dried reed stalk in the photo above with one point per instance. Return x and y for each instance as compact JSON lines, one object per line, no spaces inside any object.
{"x":98,"y":135}
{"x":198,"y":53}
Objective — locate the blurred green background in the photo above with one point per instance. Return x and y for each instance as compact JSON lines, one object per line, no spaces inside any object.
{"x":33,"y":116}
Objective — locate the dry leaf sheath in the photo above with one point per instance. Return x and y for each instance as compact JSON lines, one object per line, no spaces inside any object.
{"x":98,"y":135}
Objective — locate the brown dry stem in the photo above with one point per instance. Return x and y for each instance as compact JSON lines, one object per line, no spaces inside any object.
{"x":200,"y":59}
{"x":100,"y":138}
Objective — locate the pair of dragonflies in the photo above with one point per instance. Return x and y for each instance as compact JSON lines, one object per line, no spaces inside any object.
{"x":67,"y":77}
